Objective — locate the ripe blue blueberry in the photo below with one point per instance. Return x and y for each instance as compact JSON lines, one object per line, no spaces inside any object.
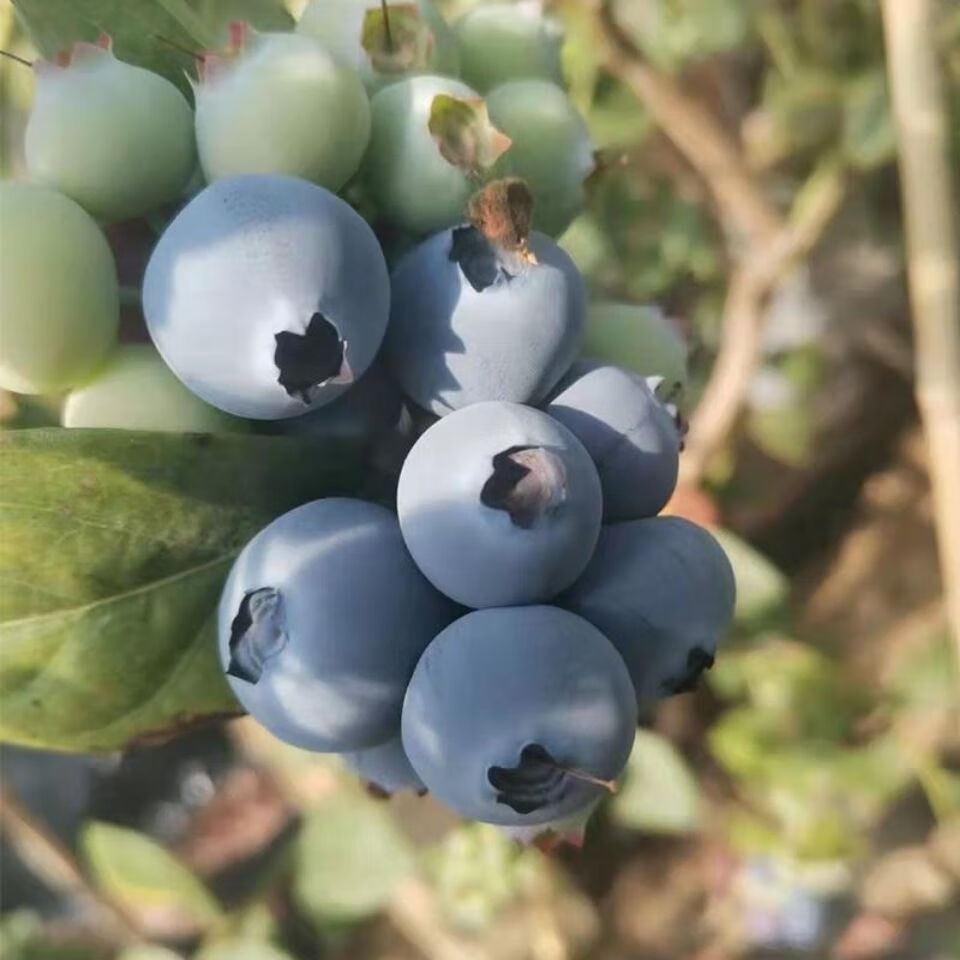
{"x":499,"y":504}
{"x":385,"y":768}
{"x":267,"y":296}
{"x":470,"y":322}
{"x":662,"y":590}
{"x":631,"y":436}
{"x":519,"y":715}
{"x":322,"y":620}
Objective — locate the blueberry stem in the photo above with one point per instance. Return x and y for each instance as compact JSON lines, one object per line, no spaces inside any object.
{"x":609,"y":785}
{"x":385,"y":7}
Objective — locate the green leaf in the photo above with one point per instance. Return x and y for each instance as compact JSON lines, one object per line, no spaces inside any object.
{"x":670,"y":32}
{"x":113,"y":549}
{"x":23,"y":936}
{"x":478,"y":872}
{"x":762,"y":590}
{"x":784,"y":433}
{"x":869,"y":139}
{"x":148,"y":952}
{"x":242,"y":950}
{"x":927,"y":678}
{"x":349,"y":858}
{"x":145,"y":877}
{"x":140,"y":29}
{"x":804,"y":106}
{"x":659,"y":794}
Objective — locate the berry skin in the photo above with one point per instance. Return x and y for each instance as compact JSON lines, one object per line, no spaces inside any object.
{"x":633,"y":440}
{"x":385,"y":768}
{"x":116,"y":138}
{"x":413,"y":185}
{"x":322,"y":620}
{"x":500,"y":42}
{"x":519,"y":716}
{"x":499,"y":504}
{"x":638,"y":337}
{"x":481,"y":327}
{"x":135,"y":390}
{"x":338,"y":26}
{"x":59,"y":301}
{"x":267,"y":296}
{"x":662,"y":590}
{"x":285,"y":105}
{"x":551,"y":150}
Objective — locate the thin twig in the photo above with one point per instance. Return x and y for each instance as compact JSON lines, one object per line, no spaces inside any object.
{"x":58,"y":868}
{"x":933,"y":263}
{"x":744,"y":312}
{"x":716,"y":156}
{"x":760,"y":243}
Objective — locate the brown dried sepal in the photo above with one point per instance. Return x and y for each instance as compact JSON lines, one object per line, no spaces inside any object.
{"x":503,"y":212}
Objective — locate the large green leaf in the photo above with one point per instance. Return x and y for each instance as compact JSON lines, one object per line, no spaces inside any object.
{"x":659,"y":793}
{"x":113,"y":549}
{"x":145,"y":31}
{"x":147,"y":879}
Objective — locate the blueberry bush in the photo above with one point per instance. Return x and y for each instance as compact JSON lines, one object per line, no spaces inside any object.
{"x":461,"y":493}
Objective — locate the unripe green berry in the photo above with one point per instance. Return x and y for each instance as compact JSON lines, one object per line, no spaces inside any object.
{"x":116,"y":138}
{"x":59,"y":302}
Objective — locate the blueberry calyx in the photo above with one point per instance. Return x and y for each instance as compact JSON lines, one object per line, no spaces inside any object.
{"x":257,"y":633}
{"x":307,"y":361}
{"x":527,"y":483}
{"x":536,"y":781}
{"x":698,"y":660}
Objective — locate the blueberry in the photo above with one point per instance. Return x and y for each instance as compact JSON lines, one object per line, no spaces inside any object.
{"x":631,"y":436}
{"x":385,"y":768}
{"x":322,"y":620}
{"x":414,"y":186}
{"x":499,"y":504}
{"x":267,"y":296}
{"x":519,"y":715}
{"x":662,"y":590}
{"x":469,"y":323}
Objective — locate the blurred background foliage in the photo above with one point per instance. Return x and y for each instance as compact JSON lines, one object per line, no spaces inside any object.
{"x":806,"y":803}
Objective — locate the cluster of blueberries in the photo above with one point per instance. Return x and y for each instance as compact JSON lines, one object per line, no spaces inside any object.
{"x":494,"y":640}
{"x":495,"y":637}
